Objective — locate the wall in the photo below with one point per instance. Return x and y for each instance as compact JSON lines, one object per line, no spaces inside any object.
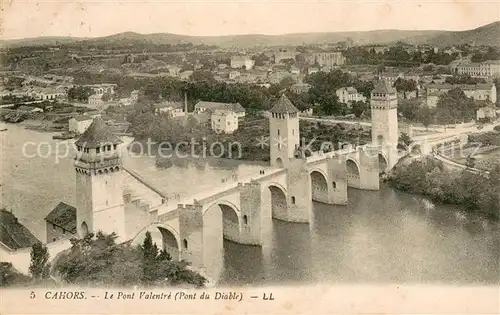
{"x":55,"y":233}
{"x":21,"y":258}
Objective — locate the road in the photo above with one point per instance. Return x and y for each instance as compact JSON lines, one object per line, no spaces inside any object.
{"x":440,"y":133}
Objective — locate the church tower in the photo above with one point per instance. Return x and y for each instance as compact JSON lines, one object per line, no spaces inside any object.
{"x":99,"y":184}
{"x":284,"y":138}
{"x":384,"y":111}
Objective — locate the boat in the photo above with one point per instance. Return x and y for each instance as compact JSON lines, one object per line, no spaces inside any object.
{"x":64,"y":136}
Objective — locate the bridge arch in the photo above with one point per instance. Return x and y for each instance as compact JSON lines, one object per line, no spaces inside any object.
{"x":278,"y":200}
{"x":352,"y":167}
{"x":319,"y":185}
{"x":229,"y":215}
{"x":383,"y":163}
{"x":164,"y":235}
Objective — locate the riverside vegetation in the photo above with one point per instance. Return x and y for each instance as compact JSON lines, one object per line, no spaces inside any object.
{"x":476,"y":192}
{"x":97,"y":260}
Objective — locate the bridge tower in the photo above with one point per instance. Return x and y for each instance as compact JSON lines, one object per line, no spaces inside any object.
{"x":384,"y":104}
{"x":99,"y":184}
{"x":284,"y":137}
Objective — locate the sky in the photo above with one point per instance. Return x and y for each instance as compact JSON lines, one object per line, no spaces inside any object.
{"x":94,"y":18}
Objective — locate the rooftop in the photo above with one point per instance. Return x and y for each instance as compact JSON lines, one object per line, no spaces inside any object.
{"x":63,"y":215}
{"x":236,"y":107}
{"x":82,"y":118}
{"x":13,"y":234}
{"x":384,"y":87}
{"x":97,"y":135}
{"x":284,"y":106}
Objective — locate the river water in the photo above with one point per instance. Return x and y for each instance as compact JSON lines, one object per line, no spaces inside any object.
{"x":381,"y":236}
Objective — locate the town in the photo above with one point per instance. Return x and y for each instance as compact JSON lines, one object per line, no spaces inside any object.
{"x":415,"y":100}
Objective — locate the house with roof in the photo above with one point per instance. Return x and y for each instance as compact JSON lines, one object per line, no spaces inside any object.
{"x":173,"y":109}
{"x":95,"y":99}
{"x":238,"y":62}
{"x":300,"y":88}
{"x":61,"y":222}
{"x":349,"y":95}
{"x":47,"y":93}
{"x":224,"y":121}
{"x":486,"y":112}
{"x":203,"y":106}
{"x":14,"y":235}
{"x":102,"y":88}
{"x":79,"y":124}
{"x":478,"y":92}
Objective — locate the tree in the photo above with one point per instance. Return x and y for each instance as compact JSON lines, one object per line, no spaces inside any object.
{"x":39,"y":267}
{"x":149,"y":252}
{"x":455,"y":106}
{"x":425,"y":116}
{"x":286,"y":82}
{"x":358,"y":108}
{"x":405,"y":140}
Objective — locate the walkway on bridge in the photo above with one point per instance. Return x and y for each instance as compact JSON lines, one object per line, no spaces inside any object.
{"x":172,"y":203}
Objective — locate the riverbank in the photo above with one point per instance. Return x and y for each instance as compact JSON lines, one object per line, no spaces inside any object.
{"x":427,"y":176}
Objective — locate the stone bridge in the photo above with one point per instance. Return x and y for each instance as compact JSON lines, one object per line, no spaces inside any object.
{"x":194,"y":228}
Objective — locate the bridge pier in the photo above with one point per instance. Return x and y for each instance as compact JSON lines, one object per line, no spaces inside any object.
{"x":337,"y":185}
{"x":251,"y":220}
{"x":191,"y":234}
{"x":299,"y":195}
{"x":369,"y":177}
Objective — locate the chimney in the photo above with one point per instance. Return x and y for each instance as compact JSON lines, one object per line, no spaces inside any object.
{"x":185,"y":103}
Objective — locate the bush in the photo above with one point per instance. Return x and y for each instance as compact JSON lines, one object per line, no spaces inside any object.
{"x":9,"y":276}
{"x":98,"y":260}
{"x":428,"y":177}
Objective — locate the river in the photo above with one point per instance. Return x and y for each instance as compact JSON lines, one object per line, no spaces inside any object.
{"x":381,"y":236}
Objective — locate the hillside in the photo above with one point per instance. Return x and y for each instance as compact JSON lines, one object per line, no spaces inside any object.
{"x":484,"y":35}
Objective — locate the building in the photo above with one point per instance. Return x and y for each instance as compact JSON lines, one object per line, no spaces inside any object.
{"x":61,"y":222}
{"x":14,"y":235}
{"x":294,"y":70}
{"x":349,"y":95}
{"x":233,"y":75}
{"x":203,"y":106}
{"x":224,"y":121}
{"x":486,"y":69}
{"x":95,"y":99}
{"x":283,"y":55}
{"x":99,"y":182}
{"x":186,"y":75}
{"x":300,"y":88}
{"x":79,"y":124}
{"x":313,"y":70}
{"x":134,"y":95}
{"x":486,"y":112}
{"x":327,"y":59}
{"x":102,"y":88}
{"x":479,"y":92}
{"x":276,"y":76}
{"x":284,"y":132}
{"x":173,"y":109}
{"x":384,"y":113}
{"x":45,"y":94}
{"x":238,"y":62}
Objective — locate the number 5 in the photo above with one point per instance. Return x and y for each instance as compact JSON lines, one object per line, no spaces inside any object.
{"x":32,"y":295}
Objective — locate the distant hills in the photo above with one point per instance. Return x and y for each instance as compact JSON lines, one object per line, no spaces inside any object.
{"x":485,"y":35}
